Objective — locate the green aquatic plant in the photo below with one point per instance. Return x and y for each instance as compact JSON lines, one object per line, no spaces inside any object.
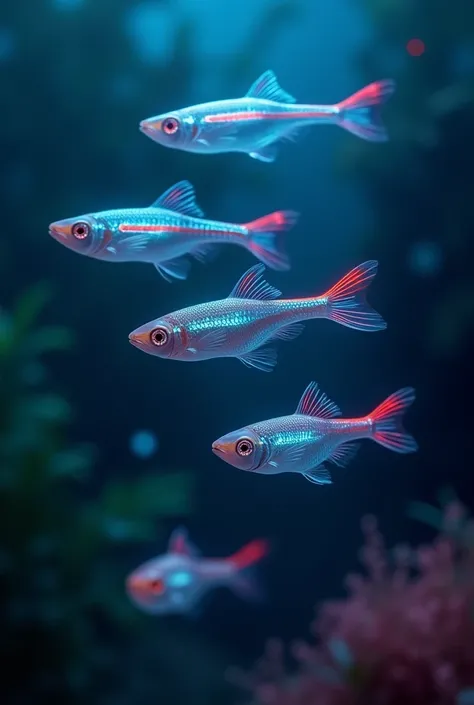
{"x":64,"y":619}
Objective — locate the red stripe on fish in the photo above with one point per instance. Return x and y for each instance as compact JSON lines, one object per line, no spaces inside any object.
{"x":252,"y":115}
{"x":130,"y":228}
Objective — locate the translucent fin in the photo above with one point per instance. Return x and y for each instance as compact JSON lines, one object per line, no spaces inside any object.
{"x":346,"y":303}
{"x":290,"y":455}
{"x":180,"y":198}
{"x":244,"y":581}
{"x":266,"y":154}
{"x":205,"y":253}
{"x":213,"y":340}
{"x":136,"y":242}
{"x":252,"y":285}
{"x":360,"y":113}
{"x":344,"y":453}
{"x":293,"y":134}
{"x":180,"y":543}
{"x":315,"y":403}
{"x":267,"y":87}
{"x":289,"y":332}
{"x":263,"y":359}
{"x":387,"y":422}
{"x":320,"y":476}
{"x":266,"y":238}
{"x":174,"y":268}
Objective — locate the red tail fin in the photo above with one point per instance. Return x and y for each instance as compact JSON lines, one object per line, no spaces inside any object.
{"x":387,"y":422}
{"x":244,"y":581}
{"x":266,"y":238}
{"x":250,"y":554}
{"x":360,"y":113}
{"x":346,"y":302}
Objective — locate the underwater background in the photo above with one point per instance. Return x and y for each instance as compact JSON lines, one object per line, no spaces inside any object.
{"x":104,"y":451}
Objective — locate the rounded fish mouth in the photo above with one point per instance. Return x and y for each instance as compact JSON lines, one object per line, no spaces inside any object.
{"x":218,"y":449}
{"x":136,"y":339}
{"x":57,"y":232}
{"x":148,"y":128}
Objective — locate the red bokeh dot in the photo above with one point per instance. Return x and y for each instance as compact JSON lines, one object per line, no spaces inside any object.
{"x":415,"y":47}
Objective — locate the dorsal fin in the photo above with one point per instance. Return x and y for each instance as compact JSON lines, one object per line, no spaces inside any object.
{"x":180,"y":544}
{"x":315,"y":403}
{"x":180,"y":198}
{"x":267,"y":87}
{"x":252,"y":285}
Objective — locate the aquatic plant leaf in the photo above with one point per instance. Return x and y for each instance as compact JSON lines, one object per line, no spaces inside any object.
{"x":88,"y":536}
{"x":50,"y":408}
{"x":427,"y":514}
{"x":6,"y":333}
{"x":165,"y":494}
{"x":50,"y":339}
{"x":122,"y":530}
{"x":74,"y":463}
{"x":160,"y":495}
{"x":29,"y":307}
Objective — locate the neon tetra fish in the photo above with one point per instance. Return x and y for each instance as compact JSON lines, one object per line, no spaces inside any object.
{"x":253,"y":315}
{"x":177,"y":581}
{"x":304,"y":441}
{"x":172,"y":227}
{"x":264,"y":116}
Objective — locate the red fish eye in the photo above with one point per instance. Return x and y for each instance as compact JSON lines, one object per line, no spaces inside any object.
{"x":157,"y":586}
{"x":80,"y":230}
{"x":170,"y":126}
{"x":159,"y":337}
{"x":245,"y":447}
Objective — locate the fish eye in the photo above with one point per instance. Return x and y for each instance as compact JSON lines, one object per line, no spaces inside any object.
{"x":159,"y":337}
{"x":170,"y":126}
{"x":157,"y":586}
{"x":245,"y":447}
{"x":80,"y":230}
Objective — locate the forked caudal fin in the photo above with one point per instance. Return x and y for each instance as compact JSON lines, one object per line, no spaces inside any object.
{"x":387,"y":428}
{"x":346,"y":302}
{"x":360,"y":113}
{"x":266,"y":238}
{"x":244,"y":581}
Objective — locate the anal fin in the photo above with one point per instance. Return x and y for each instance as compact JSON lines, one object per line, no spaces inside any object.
{"x":204,"y":253}
{"x":343,"y":454}
{"x":320,"y":476}
{"x":263,"y":359}
{"x":289,"y":332}
{"x":174,"y":268}
{"x":265,"y":154}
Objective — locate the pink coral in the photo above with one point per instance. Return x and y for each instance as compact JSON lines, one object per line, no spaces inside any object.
{"x":403,"y":636}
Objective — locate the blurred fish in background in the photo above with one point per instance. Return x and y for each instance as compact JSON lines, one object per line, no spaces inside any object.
{"x":179,"y":580}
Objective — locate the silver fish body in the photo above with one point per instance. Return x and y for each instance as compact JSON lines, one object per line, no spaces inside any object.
{"x":251,"y":316}
{"x":305,"y":441}
{"x":171,"y":228}
{"x":256,"y":123}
